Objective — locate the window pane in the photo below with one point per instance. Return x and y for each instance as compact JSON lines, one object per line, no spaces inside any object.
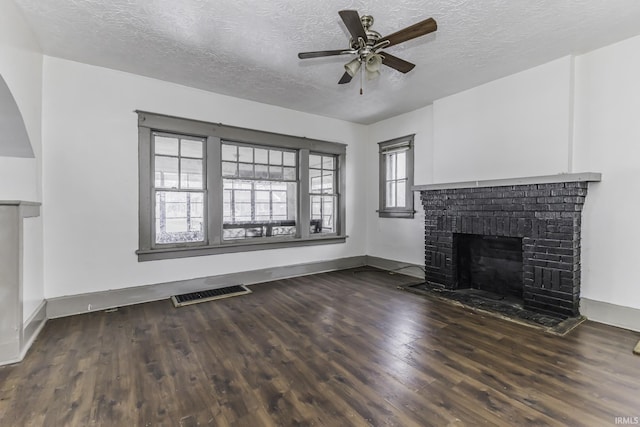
{"x":391,"y":194}
{"x":323,"y":211}
{"x":166,"y":172}
{"x":229,"y":152}
{"x":316,"y":207}
{"x":275,"y":157}
{"x":261,"y":155}
{"x":279,"y":196}
{"x":191,"y":148}
{"x":191,"y":173}
{"x":166,"y":145}
{"x":262,"y":211}
{"x":279,"y":210}
{"x":328,"y":214}
{"x":179,"y":217}
{"x":327,"y":182}
{"x":241,"y":196}
{"x":262,"y":171}
{"x":263,"y":196}
{"x":401,"y":188}
{"x":401,"y":165}
{"x":315,"y":180}
{"x":315,"y":161}
{"x":275,"y":172}
{"x":327,"y":162}
{"x":245,"y":154}
{"x":229,"y":169}
{"x":275,"y":185}
{"x":391,"y":166}
{"x":242,"y":211}
{"x":242,"y":185}
{"x":289,"y":158}
{"x":290,"y":174}
{"x":245,"y":170}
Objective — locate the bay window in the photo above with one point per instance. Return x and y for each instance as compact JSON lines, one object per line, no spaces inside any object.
{"x":207,"y":188}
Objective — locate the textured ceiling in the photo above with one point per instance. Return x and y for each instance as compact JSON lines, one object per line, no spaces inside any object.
{"x":247,"y":48}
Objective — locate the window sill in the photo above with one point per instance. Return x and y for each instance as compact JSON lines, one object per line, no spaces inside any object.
{"x":396,"y":214}
{"x":233,"y":247}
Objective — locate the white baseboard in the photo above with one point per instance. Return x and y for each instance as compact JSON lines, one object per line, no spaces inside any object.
{"x":611,"y":314}
{"x":399,"y":267}
{"x":96,"y":301}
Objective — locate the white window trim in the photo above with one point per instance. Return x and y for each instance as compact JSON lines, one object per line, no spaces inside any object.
{"x":214,"y":134}
{"x":405,"y":142}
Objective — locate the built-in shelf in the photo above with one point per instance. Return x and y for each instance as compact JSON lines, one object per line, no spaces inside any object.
{"x":527,"y":180}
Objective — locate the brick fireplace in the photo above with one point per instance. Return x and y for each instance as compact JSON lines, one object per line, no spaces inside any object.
{"x":544,"y":213}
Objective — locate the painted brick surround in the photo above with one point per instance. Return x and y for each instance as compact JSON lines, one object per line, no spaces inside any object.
{"x":546,"y":216}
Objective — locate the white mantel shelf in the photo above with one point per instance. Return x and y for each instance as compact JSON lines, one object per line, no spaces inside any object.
{"x":544,"y":179}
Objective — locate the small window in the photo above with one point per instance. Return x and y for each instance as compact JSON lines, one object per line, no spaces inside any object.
{"x":396,"y":178}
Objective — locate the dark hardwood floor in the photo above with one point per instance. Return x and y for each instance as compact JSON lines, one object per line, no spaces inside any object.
{"x":334,"y":349}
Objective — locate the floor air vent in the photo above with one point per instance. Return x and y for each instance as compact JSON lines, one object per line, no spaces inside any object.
{"x":210,"y":295}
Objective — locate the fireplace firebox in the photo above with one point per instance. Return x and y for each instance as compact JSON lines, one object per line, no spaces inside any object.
{"x":489,"y":263}
{"x":518,"y":237}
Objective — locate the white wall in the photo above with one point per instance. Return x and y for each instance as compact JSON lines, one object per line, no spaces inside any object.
{"x":516,"y":126}
{"x":20,"y":178}
{"x":607,"y":134}
{"x":399,"y":239}
{"x":91,"y":177}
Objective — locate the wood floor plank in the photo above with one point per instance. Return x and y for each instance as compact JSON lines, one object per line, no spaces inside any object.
{"x":344,"y":348}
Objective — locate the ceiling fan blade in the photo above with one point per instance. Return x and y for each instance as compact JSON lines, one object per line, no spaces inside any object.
{"x":346,"y":78}
{"x":396,"y":63}
{"x":416,"y":30}
{"x":354,"y":25}
{"x":322,"y":53}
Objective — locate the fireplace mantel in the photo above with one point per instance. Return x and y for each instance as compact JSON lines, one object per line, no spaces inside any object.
{"x":528,"y":180}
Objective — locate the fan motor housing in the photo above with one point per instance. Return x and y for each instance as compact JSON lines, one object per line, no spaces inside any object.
{"x":372,"y":36}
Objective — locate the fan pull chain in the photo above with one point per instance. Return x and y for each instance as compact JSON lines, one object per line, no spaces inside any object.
{"x":361,"y":78}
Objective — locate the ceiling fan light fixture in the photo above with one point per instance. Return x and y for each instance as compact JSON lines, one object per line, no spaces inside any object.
{"x":352,"y":66}
{"x":373,"y":62}
{"x":372,"y":75}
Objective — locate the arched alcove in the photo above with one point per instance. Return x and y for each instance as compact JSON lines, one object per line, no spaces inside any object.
{"x":14,"y":140}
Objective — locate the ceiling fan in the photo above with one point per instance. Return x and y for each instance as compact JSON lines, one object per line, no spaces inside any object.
{"x":367,"y":45}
